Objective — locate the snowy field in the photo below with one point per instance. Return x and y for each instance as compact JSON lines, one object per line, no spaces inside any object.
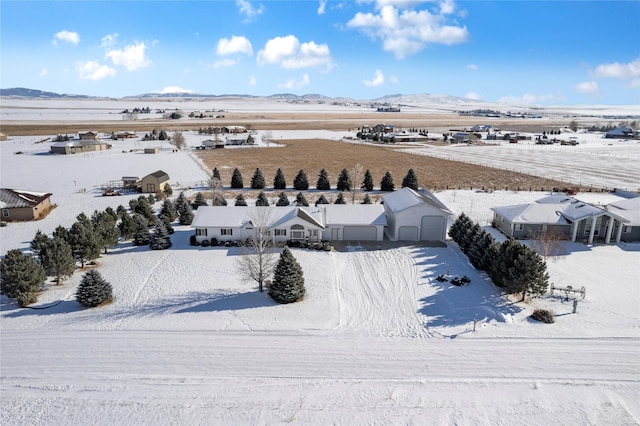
{"x":377,"y":340}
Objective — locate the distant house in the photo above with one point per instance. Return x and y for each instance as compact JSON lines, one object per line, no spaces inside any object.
{"x":460,"y":137}
{"x":154,"y":182}
{"x":482,"y":128}
{"x":622,"y":132}
{"x":235,"y":139}
{"x":630,"y":210}
{"x":74,"y":147}
{"x":88,"y":136}
{"x":558,"y":212}
{"x":234,"y":129}
{"x":3,"y":137}
{"x":212,"y":144}
{"x":23,"y":205}
{"x":124,"y":135}
{"x":415,"y":216}
{"x":154,"y":150}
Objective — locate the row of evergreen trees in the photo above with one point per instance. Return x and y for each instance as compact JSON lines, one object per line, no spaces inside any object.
{"x":511,"y":265}
{"x":262,"y":200}
{"x":301,"y":182}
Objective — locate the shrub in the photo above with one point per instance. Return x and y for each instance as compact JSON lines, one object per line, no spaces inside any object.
{"x":192,"y":240}
{"x":441,"y":278}
{"x":543,"y":315}
{"x":205,"y":243}
{"x":214,"y":241}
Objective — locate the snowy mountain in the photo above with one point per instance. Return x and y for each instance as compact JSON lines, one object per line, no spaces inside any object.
{"x":426,"y":99}
{"x":33,"y":93}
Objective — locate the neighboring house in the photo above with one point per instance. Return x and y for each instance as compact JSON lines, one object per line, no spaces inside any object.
{"x":23,"y":205}
{"x":559,"y":212}
{"x":154,"y":182}
{"x":630,"y":210}
{"x":74,"y":147}
{"x":460,"y":137}
{"x":482,"y":128}
{"x":124,"y":135}
{"x":88,"y":136}
{"x":622,"y":132}
{"x":211,"y":144}
{"x":234,"y":129}
{"x":415,"y":216}
{"x":237,"y":139}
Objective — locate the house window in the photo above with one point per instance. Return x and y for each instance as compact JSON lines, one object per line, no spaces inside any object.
{"x":5,"y":212}
{"x":297,"y":231}
{"x":519,"y":226}
{"x":280,"y":232}
{"x":542,"y":227}
{"x":589,"y":223}
{"x":226,"y":231}
{"x":201,"y":232}
{"x":626,"y":229}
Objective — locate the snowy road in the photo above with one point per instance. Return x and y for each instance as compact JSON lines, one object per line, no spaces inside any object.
{"x":152,"y":377}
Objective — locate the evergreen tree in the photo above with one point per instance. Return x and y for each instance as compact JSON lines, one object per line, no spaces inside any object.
{"x":340,"y":199}
{"x":288,"y":279}
{"x":111,"y":213}
{"x":141,"y":234}
{"x":387,"y":182}
{"x":236,"y":179}
{"x":169,"y":210}
{"x":167,"y":190}
{"x":283,"y":200}
{"x":262,"y":200}
{"x":104,"y":226}
{"x":133,"y":203}
{"x":520,"y":270}
{"x":257,"y":180}
{"x":159,"y":239}
{"x":39,"y":243}
{"x":279,"y":181}
{"x":366,"y":200}
{"x":367,"y":183}
{"x":459,"y":227}
{"x":151,"y":199}
{"x":82,"y":238}
{"x":93,"y":290}
{"x":167,"y":223}
{"x":240,"y":201}
{"x":120,"y":210}
{"x":478,"y":250}
{"x":127,"y":226}
{"x":410,"y":180}
{"x":323,"y":181}
{"x":301,"y":183}
{"x":143,"y":207}
{"x":468,"y":236}
{"x":218,"y":200}
{"x":58,"y":259}
{"x":301,"y":201}
{"x":185,"y":215}
{"x":322,"y":200}
{"x":21,"y":276}
{"x":344,"y":181}
{"x":216,"y":173}
{"x":61,"y":232}
{"x":199,"y":201}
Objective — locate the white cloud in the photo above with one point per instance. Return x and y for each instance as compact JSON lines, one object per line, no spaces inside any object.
{"x":131,"y":57}
{"x":249,"y":11}
{"x":635,"y":83}
{"x":377,"y":80}
{"x":407,"y":31}
{"x":472,"y":95}
{"x":472,"y":67}
{"x":68,"y":36}
{"x":296,"y":84}
{"x":109,"y":41}
{"x":321,"y":7}
{"x":92,"y":70}
{"x":588,"y":87}
{"x":237,"y":44}
{"x":44,"y":72}
{"x":175,"y":89}
{"x":617,"y":70}
{"x":224,"y":63}
{"x":289,"y":53}
{"x":252,"y":80}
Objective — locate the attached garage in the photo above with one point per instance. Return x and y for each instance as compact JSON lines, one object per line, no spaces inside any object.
{"x":431,"y":228}
{"x":360,"y":233}
{"x":408,"y":233}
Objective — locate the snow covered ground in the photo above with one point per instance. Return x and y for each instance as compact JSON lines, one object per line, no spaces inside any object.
{"x":377,"y":340}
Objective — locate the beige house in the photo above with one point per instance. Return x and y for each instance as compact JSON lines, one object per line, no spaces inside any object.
{"x":154,"y":182}
{"x":89,"y":136}
{"x":74,"y":147}
{"x":23,"y":205}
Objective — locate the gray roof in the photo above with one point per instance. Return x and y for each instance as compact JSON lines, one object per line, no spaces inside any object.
{"x":557,"y":209}
{"x":13,"y":198}
{"x":160,"y":175}
{"x":405,"y":198}
{"x":627,"y":209}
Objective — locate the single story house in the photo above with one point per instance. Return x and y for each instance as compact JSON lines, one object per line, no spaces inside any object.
{"x":154,"y":182}
{"x":415,"y":216}
{"x":23,"y":205}
{"x":74,"y":147}
{"x":629,"y":210}
{"x":88,"y":136}
{"x":622,"y":132}
{"x":234,"y":129}
{"x":212,"y":144}
{"x":559,"y":212}
{"x":237,"y":139}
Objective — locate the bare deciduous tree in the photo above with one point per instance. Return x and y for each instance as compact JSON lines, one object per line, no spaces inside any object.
{"x":217,"y":199}
{"x":355,"y":177}
{"x":259,"y":255}
{"x":548,"y":243}
{"x":178,"y":139}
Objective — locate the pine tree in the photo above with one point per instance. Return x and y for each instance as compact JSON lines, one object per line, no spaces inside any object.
{"x":236,"y":179}
{"x":185,"y":215}
{"x":21,"y":276}
{"x":262,"y":200}
{"x":410,"y":180}
{"x":127,"y":226}
{"x":323,"y":181}
{"x":218,"y":200}
{"x":344,"y":181}
{"x":459,"y":226}
{"x":216,"y":173}
{"x":301,"y":183}
{"x":93,"y":290}
{"x":151,"y":199}
{"x":520,"y":270}
{"x":167,"y":190}
{"x":240,"y":201}
{"x":199,"y":201}
{"x":58,"y":259}
{"x":167,"y":223}
{"x":283,"y":200}
{"x":143,"y":207}
{"x":340,"y":199}
{"x":367,"y":183}
{"x":288,"y":279}
{"x":468,"y":236}
{"x":82,"y":238}
{"x":39,"y":243}
{"x":169,"y":210}
{"x":141,"y":234}
{"x":111,"y":213}
{"x":104,"y":227}
{"x":366,"y":199}
{"x":387,"y":182}
{"x":478,"y":250}
{"x":322,"y":200}
{"x":257,"y":180}
{"x":301,"y":201}
{"x":279,"y":181}
{"x":159,"y":239}
{"x":61,"y":232}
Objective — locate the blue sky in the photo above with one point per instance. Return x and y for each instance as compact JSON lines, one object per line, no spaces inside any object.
{"x":531,"y":52}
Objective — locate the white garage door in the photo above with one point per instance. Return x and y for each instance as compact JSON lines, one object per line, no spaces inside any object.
{"x":408,"y":233}
{"x":431,"y":228}
{"x":359,"y":233}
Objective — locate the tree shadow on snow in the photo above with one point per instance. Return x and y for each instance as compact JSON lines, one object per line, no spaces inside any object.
{"x":53,"y":308}
{"x":229,"y":302}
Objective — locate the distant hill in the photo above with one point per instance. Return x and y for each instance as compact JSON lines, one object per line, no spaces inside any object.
{"x":426,"y":99}
{"x":33,"y":93}
{"x":185,"y":95}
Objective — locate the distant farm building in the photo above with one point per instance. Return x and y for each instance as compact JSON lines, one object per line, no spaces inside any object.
{"x":152,"y":150}
{"x":74,"y":147}
{"x":88,"y":136}
{"x":241,"y":139}
{"x":622,"y":132}
{"x":3,"y":137}
{"x":211,"y":144}
{"x":23,"y":205}
{"x":124,"y":135}
{"x":154,"y":182}
{"x":234,"y":129}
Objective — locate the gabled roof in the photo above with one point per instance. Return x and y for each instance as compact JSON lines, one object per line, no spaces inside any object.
{"x":239,"y":216}
{"x":160,"y":175}
{"x":13,"y":198}
{"x":354,"y":214}
{"x":627,"y":209}
{"x":405,"y":198}
{"x":557,"y":209}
